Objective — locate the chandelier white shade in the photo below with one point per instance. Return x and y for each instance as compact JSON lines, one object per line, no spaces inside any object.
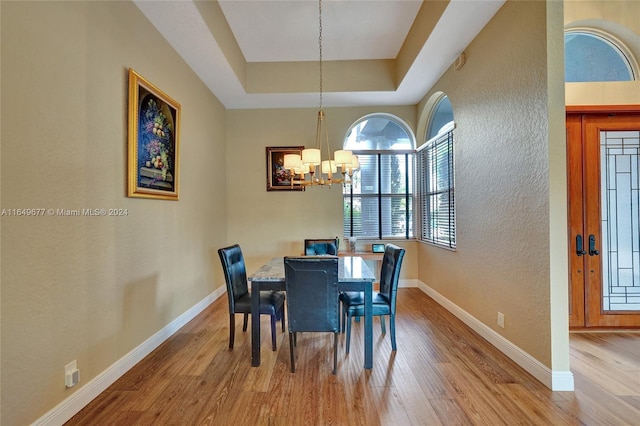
{"x":329,"y":167}
{"x":311,"y":156}
{"x":292,"y":161}
{"x":342,"y":157}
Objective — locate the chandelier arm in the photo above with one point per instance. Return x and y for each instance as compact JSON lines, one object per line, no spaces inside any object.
{"x":331,"y":162}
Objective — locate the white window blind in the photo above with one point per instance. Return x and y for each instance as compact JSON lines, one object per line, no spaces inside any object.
{"x":437,"y":190}
{"x":379,"y":203}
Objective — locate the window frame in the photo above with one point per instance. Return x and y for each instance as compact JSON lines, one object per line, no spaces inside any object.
{"x":408,"y":195}
{"x":424,"y":194}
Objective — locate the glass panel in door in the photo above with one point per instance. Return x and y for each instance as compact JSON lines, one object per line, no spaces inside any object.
{"x":611,"y":237}
{"x":620,"y":201}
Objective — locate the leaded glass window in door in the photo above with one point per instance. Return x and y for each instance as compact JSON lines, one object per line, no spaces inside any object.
{"x":620,"y":204}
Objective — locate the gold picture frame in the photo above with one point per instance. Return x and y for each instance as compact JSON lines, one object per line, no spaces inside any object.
{"x":154,"y":141}
{"x":279,"y":178}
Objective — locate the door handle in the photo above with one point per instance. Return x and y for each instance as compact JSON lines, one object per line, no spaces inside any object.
{"x":579,"y":246}
{"x":592,"y":246}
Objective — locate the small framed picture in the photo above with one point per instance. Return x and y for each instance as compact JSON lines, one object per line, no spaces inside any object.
{"x":377,"y":248}
{"x":279,"y":178}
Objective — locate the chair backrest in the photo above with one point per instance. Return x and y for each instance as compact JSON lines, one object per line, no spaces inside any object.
{"x":312,"y":293}
{"x":235,"y":273}
{"x":321,"y":246}
{"x":390,"y":273}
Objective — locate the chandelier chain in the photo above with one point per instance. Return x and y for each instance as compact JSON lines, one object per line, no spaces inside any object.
{"x":310,"y":159}
{"x":320,"y":45}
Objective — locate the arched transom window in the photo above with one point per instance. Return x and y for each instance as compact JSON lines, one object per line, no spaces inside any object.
{"x":594,"y":56}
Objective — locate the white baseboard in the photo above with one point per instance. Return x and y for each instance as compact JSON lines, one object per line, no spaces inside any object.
{"x":408,"y":283}
{"x":83,"y":396}
{"x":562,"y":381}
{"x":554,"y":380}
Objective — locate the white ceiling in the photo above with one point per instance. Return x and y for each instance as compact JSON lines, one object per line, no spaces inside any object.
{"x":286,"y":32}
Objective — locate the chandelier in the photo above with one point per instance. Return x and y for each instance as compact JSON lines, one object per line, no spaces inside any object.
{"x":309,"y":169}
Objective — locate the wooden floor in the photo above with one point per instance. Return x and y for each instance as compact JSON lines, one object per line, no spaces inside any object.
{"x":442,"y":374}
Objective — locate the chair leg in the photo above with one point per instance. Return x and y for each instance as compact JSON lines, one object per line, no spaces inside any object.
{"x":348,"y":334}
{"x":384,"y":330}
{"x":282,"y":318}
{"x":273,"y":332}
{"x":335,"y":352}
{"x":232,"y":330}
{"x":244,"y":323}
{"x":344,"y":317}
{"x":291,"y":355}
{"x":392,"y":326}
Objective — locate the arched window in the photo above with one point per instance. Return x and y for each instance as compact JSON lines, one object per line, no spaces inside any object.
{"x":441,"y":117}
{"x":435,"y":170}
{"x":379,"y":202}
{"x":594,"y":56}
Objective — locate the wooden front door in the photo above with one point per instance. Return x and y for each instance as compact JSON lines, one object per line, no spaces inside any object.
{"x":603,"y":154}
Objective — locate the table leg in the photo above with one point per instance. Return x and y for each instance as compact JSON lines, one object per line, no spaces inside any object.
{"x":255,"y":324}
{"x":368,"y":326}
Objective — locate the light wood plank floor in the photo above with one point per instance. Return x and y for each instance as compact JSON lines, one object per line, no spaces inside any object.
{"x":442,"y":374}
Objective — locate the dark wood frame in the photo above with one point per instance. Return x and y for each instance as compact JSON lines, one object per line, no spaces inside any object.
{"x":275,"y":170}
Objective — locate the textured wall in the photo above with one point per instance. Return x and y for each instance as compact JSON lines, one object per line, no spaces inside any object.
{"x":500,"y":102}
{"x":94,"y":288}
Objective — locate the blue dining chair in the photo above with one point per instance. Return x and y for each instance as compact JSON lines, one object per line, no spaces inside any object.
{"x":384,"y":301}
{"x":235,"y":274}
{"x":321,"y":246}
{"x":312,"y":299}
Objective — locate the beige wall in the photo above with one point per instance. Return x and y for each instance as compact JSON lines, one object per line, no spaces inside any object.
{"x":266,"y":224}
{"x":502,"y":112}
{"x":94,"y":288}
{"x":620,"y":20}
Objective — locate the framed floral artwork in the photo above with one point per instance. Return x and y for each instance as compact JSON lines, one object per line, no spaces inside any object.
{"x":154,"y":130}
{"x":279,"y":178}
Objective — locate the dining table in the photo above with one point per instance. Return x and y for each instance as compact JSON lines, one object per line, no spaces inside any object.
{"x":353,"y":275}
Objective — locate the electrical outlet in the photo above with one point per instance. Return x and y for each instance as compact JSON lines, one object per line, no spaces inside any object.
{"x":500,"y":319}
{"x":71,"y":374}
